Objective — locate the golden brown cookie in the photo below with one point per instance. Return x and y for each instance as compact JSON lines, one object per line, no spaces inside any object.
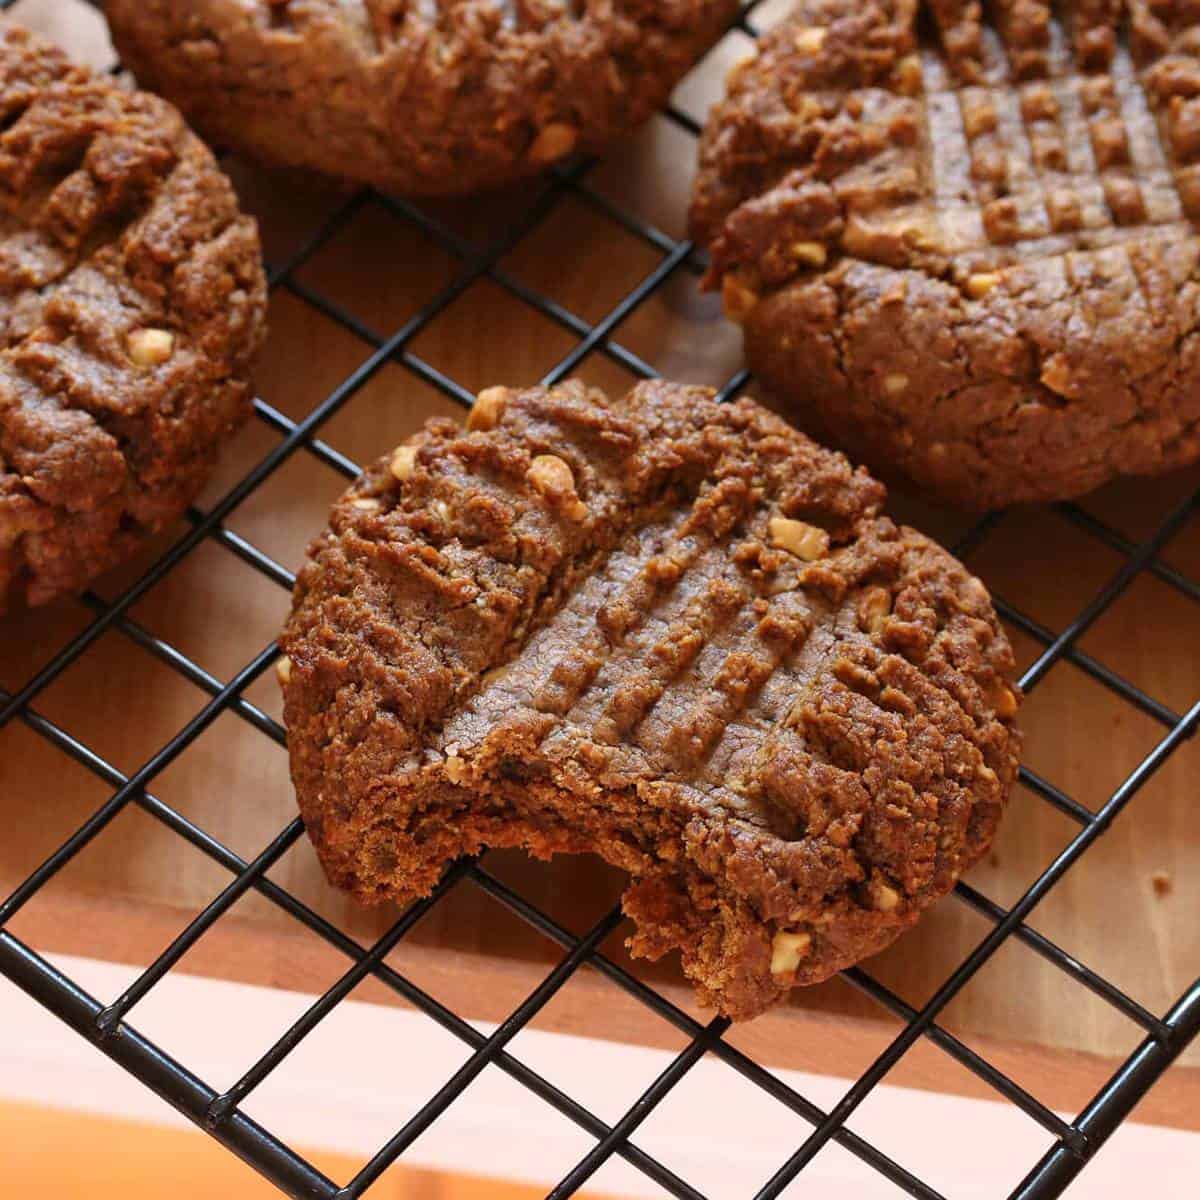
{"x":961,"y":242}
{"x":131,"y":303}
{"x":674,"y":633}
{"x":416,"y":98}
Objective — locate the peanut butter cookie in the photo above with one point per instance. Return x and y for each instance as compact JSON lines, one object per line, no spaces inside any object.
{"x":962,"y":241}
{"x":131,"y":304}
{"x":673,"y":633}
{"x":425,"y":97}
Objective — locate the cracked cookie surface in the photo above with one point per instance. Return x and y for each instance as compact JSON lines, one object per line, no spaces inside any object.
{"x":962,"y":240}
{"x":131,"y":304}
{"x":673,"y":633}
{"x":416,"y":96}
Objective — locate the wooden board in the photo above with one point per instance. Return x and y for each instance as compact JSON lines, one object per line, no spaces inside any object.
{"x":1128,"y":910}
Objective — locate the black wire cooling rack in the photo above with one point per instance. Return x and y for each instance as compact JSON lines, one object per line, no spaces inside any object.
{"x":109,"y":1029}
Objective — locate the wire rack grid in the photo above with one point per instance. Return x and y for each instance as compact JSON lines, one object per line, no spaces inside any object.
{"x":109,"y":1026}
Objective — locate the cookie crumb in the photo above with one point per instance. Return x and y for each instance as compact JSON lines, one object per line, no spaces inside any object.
{"x":1160,"y":881}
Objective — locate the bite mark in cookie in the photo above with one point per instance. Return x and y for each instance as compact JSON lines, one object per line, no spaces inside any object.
{"x":692,"y":646}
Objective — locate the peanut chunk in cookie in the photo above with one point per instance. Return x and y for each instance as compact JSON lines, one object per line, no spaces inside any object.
{"x":150,"y":347}
{"x":883,"y":896}
{"x":403,"y":461}
{"x":874,"y":609}
{"x":737,"y":298}
{"x":809,"y":254}
{"x":810,"y":40}
{"x":553,"y":142}
{"x":787,"y":949}
{"x":909,"y":79}
{"x":1004,"y":701}
{"x":980,"y":284}
{"x":798,"y":537}
{"x":553,"y":478}
{"x":488,"y":408}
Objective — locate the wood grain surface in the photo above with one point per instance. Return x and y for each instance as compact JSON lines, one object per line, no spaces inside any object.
{"x":1128,"y":910}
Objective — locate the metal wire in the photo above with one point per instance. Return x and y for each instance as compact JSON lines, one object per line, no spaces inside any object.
{"x":110,"y":1028}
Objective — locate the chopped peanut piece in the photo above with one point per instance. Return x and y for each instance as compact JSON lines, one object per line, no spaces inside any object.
{"x":884,"y":897}
{"x":921,"y":236}
{"x":553,"y":478}
{"x":456,"y":769}
{"x":283,"y":671}
{"x":150,"y":347}
{"x":737,"y":299}
{"x":981,"y":284}
{"x":908,"y":76}
{"x":810,"y":254}
{"x":403,"y":462}
{"x":798,"y":537}
{"x":368,"y":504}
{"x":488,"y":408}
{"x":554,"y":142}
{"x":874,"y":609}
{"x":787,"y":949}
{"x":810,"y":41}
{"x":1004,"y":702}
{"x":895,"y":384}
{"x":805,"y":109}
{"x":738,"y":69}
{"x":1058,"y":377}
